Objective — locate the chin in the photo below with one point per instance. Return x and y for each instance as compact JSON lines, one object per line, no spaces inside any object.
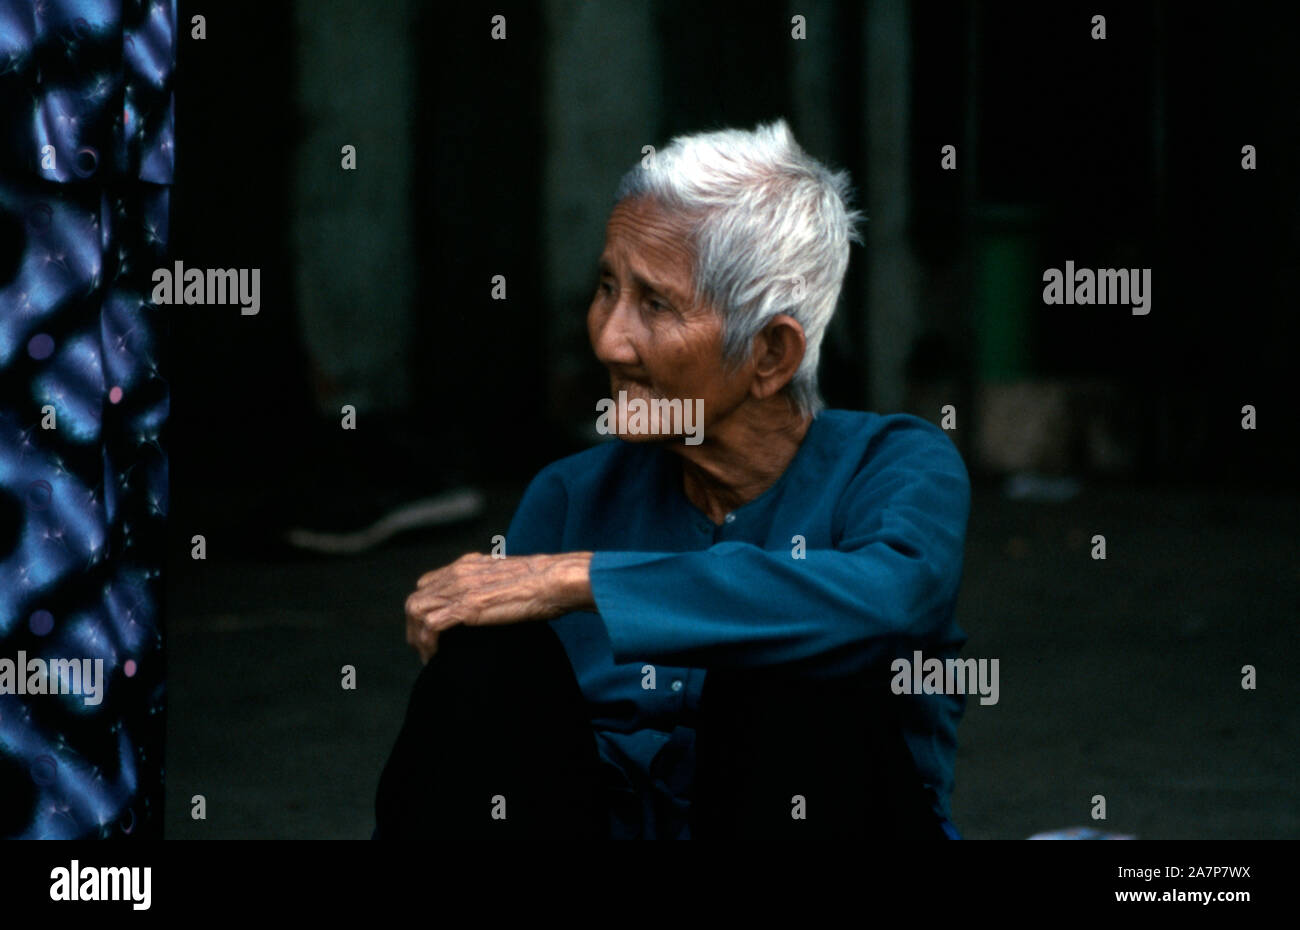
{"x":642,"y":438}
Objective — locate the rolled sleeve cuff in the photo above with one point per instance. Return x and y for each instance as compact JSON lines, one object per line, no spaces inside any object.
{"x":625,"y":587}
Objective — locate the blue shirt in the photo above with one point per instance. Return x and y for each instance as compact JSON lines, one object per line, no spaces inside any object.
{"x":851,"y":559}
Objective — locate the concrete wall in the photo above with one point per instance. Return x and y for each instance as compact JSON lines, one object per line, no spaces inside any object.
{"x":602,"y":92}
{"x":352,"y":230}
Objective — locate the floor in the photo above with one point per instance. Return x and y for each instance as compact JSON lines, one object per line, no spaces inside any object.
{"x":1120,"y":678}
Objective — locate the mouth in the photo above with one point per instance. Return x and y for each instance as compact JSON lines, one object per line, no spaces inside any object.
{"x":633,"y":387}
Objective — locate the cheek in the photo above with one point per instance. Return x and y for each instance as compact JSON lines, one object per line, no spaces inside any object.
{"x":721,"y":384}
{"x":693,"y":367}
{"x":691,"y":342}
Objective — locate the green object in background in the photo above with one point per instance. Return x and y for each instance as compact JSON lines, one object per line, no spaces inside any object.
{"x":1005,"y":291}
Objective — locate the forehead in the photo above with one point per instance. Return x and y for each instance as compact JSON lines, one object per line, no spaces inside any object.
{"x":643,"y":233}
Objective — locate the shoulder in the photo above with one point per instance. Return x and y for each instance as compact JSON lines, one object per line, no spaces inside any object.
{"x":586,"y":471}
{"x":875,"y":457}
{"x":897,"y":469}
{"x":561,"y":490}
{"x":877,"y":440}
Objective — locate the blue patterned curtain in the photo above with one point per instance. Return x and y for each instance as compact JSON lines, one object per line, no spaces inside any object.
{"x":86,"y":159}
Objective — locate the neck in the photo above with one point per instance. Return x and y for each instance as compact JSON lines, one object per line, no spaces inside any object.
{"x":741,"y":456}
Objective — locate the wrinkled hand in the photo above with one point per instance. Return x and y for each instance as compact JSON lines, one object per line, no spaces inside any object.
{"x":480,"y":590}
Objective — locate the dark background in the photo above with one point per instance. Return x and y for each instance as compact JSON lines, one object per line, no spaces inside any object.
{"x":1118,"y":677}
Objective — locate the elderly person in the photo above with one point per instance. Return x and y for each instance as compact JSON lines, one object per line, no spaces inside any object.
{"x":692,"y":637}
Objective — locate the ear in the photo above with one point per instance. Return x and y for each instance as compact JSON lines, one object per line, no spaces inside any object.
{"x":778,"y":350}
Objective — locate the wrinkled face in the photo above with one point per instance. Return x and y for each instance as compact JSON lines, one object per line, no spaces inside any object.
{"x":644,"y":323}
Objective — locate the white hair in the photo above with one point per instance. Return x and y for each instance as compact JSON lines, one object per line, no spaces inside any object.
{"x":770,"y":228}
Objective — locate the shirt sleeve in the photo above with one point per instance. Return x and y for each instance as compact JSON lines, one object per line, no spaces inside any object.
{"x":893,"y":573}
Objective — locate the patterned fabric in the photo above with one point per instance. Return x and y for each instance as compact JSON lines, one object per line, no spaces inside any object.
{"x":86,"y":159}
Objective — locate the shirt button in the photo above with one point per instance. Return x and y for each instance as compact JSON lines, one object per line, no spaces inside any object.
{"x":677,"y":684}
{"x":730,"y":518}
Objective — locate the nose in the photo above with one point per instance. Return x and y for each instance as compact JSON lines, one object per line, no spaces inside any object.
{"x":612,"y":329}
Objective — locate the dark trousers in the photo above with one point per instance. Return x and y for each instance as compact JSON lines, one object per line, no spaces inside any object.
{"x":497,"y":743}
